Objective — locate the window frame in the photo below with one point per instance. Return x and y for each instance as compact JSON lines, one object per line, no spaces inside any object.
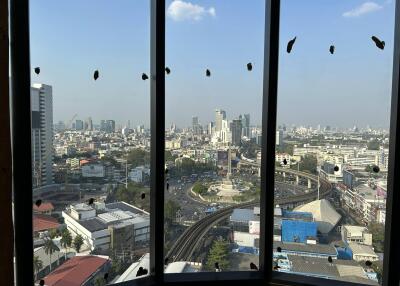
{"x":22,"y":179}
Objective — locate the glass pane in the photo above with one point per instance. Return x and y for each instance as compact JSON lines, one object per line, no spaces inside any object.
{"x":214,"y":59}
{"x":335,"y":71}
{"x":90,"y":140}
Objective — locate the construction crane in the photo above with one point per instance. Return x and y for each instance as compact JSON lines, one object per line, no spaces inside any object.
{"x":69,"y":125}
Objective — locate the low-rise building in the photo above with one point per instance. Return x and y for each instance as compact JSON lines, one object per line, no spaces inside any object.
{"x":363,"y":252}
{"x":105,"y":226}
{"x":358,"y":234}
{"x":79,"y":271}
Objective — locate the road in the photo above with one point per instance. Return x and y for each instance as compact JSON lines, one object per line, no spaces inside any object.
{"x":187,"y":243}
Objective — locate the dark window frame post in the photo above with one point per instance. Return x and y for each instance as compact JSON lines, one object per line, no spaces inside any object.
{"x":391,"y":274}
{"x":270,"y":94}
{"x":157,"y":91}
{"x":21,"y":140}
{"x":6,"y":222}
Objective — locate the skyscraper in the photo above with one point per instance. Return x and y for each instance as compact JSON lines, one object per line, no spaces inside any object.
{"x":42,"y":134}
{"x":219,"y":116}
{"x":107,"y":126}
{"x":236,"y":130}
{"x":245,"y":125}
{"x":195,"y":125}
{"x":79,"y":124}
{"x":89,"y":124}
{"x":279,"y":138}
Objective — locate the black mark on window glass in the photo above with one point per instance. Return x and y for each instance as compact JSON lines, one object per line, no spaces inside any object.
{"x":37,"y":70}
{"x":290,"y":45}
{"x":96,"y":75}
{"x":380,"y":44}
{"x":144,"y":76}
{"x":249,"y":67}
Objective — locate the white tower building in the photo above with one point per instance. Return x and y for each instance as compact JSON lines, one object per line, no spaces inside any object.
{"x":42,"y":134}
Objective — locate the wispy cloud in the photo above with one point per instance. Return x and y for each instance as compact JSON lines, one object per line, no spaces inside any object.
{"x":365,"y":8}
{"x":180,"y":10}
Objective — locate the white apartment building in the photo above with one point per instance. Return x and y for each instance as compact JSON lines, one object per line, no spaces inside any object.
{"x":42,"y":134}
{"x":105,"y":226}
{"x":358,"y":234}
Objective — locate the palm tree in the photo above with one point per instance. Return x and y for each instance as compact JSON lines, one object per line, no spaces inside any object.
{"x":37,"y":265}
{"x":49,"y":248}
{"x":78,"y":241}
{"x":66,"y":240}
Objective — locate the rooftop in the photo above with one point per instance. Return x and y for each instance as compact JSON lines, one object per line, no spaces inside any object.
{"x":243,"y":215}
{"x":43,"y":222}
{"x":322,"y":211}
{"x":132,"y":270}
{"x":125,"y":207}
{"x":44,"y":207}
{"x":361,"y":249}
{"x":323,"y":249}
{"x":93,"y":224}
{"x":75,"y":271}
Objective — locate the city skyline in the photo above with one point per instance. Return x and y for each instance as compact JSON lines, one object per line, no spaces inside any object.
{"x":309,"y":78}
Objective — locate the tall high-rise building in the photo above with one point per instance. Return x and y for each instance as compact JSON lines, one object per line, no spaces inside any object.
{"x":79,"y":124}
{"x":107,"y":126}
{"x":42,"y":134}
{"x":210,"y":128}
{"x":236,"y":130}
{"x":219,"y":116}
{"x":279,"y":138}
{"x":245,"y":125}
{"x":89,"y":124}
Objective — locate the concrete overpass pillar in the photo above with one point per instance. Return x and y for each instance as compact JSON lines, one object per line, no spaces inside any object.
{"x":309,"y":183}
{"x":297,"y":179}
{"x":284,"y":174}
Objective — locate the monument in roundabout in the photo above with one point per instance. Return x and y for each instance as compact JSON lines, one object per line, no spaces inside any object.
{"x":228,"y":188}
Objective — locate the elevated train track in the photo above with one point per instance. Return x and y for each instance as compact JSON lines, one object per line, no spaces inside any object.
{"x":188,"y":242}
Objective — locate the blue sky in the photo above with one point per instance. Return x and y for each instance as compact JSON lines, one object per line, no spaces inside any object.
{"x":70,"y":39}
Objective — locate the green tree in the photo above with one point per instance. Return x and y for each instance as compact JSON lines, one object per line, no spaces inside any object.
{"x":368,"y":169}
{"x":218,"y":253}
{"x":50,"y":248}
{"x":37,"y":265}
{"x":135,"y":194}
{"x":138,"y":157}
{"x":53,"y":233}
{"x":99,"y":281}
{"x":78,"y":242}
{"x":199,"y":188}
{"x":66,"y":240}
{"x":373,"y":144}
{"x":285,"y":148}
{"x":169,"y":156}
{"x":378,"y":236}
{"x":171,"y":208}
{"x":308,"y":164}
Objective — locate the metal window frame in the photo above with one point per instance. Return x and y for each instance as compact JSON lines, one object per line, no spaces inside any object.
{"x":22,"y":180}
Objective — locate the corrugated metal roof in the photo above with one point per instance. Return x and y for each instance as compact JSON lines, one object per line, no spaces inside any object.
{"x":75,"y":271}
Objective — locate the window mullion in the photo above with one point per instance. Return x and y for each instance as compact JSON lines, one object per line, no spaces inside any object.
{"x":391,"y":275}
{"x":157,"y":90}
{"x":270,"y":83}
{"x":21,"y":140}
